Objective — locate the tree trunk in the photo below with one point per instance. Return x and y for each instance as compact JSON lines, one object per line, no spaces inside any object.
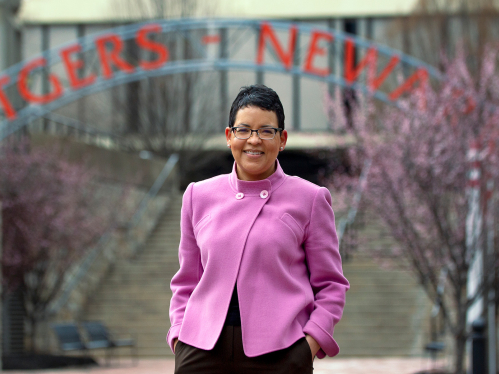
{"x":32,"y":335}
{"x":460,"y":342}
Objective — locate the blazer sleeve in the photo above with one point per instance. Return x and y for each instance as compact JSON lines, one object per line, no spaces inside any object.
{"x":326,"y":274}
{"x":189,"y":274}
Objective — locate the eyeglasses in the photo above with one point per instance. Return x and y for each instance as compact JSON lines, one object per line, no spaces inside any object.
{"x":265,"y":133}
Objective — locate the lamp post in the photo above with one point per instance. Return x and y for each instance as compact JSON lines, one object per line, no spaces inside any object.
{"x":473,"y":234}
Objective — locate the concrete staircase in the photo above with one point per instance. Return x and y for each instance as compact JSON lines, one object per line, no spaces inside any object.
{"x":135,"y":296}
{"x":386,"y":312}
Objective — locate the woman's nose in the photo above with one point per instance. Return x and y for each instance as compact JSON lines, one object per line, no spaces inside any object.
{"x":254,"y":139}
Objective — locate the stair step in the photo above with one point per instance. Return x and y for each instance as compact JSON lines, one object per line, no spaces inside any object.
{"x":386,"y":312}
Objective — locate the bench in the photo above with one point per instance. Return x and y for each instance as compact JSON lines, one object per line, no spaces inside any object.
{"x":98,"y":337}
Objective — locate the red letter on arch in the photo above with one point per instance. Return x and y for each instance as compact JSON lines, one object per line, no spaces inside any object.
{"x":25,"y":92}
{"x":370,"y":60}
{"x":9,"y":110}
{"x":315,"y":50}
{"x":113,"y":55}
{"x":352,"y":72}
{"x":420,"y":75}
{"x":152,"y":46}
{"x":374,"y":82}
{"x":73,"y":66}
{"x":267,"y":31}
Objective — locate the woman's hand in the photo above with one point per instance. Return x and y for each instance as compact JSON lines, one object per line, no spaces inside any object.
{"x":175,"y":344}
{"x":314,"y":346}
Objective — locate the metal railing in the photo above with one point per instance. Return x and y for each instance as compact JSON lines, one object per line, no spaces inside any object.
{"x":156,"y":187}
{"x":82,"y":131}
{"x":83,"y":269}
{"x":346,"y":223}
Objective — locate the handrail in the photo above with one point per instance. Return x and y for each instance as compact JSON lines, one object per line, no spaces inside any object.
{"x":352,"y":211}
{"x":158,"y":183}
{"x":57,"y":305}
{"x":78,"y":125}
{"x":118,"y":141}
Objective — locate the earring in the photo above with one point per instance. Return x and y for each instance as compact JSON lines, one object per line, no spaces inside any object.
{"x":228,"y":145}
{"x":282,"y":148}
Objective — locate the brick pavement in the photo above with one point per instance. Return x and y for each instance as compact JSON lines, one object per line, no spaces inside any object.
{"x":325,"y":366}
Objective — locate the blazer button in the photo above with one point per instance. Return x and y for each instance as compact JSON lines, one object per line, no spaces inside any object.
{"x":264,"y":194}
{"x":239,"y":195}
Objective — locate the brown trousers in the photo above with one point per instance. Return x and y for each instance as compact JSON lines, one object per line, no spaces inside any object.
{"x":227,"y":357}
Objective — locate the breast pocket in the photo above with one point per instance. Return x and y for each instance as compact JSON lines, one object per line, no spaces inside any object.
{"x":295,"y":228}
{"x":202,"y":223}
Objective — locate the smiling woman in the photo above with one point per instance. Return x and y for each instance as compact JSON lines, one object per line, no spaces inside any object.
{"x":260,"y":286}
{"x":255,"y":155}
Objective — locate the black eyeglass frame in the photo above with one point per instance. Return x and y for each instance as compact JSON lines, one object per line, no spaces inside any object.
{"x":276,"y":129}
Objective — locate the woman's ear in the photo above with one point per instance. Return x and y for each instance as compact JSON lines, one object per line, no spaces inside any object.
{"x":228,"y":134}
{"x":284,"y":138}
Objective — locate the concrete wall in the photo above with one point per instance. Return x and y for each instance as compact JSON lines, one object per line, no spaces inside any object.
{"x":94,"y":11}
{"x":109,"y":165}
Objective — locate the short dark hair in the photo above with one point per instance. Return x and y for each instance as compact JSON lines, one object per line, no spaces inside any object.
{"x":259,"y":96}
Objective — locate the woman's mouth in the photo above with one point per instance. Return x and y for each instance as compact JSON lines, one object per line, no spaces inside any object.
{"x":253,"y":153}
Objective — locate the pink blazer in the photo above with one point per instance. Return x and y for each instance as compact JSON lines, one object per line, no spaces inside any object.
{"x":277,"y":238}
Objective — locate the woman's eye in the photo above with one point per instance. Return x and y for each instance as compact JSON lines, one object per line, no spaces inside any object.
{"x":242,"y":131}
{"x":267,"y":132}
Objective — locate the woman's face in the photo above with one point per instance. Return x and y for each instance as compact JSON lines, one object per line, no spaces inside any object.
{"x":255,"y":157}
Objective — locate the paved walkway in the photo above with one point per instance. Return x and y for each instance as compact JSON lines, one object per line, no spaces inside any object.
{"x":325,"y":366}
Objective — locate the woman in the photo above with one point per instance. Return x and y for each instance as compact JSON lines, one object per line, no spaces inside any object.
{"x":260,"y":286}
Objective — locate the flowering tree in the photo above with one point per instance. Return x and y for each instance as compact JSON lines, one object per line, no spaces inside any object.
{"x":52,"y":212}
{"x":418,"y":180}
